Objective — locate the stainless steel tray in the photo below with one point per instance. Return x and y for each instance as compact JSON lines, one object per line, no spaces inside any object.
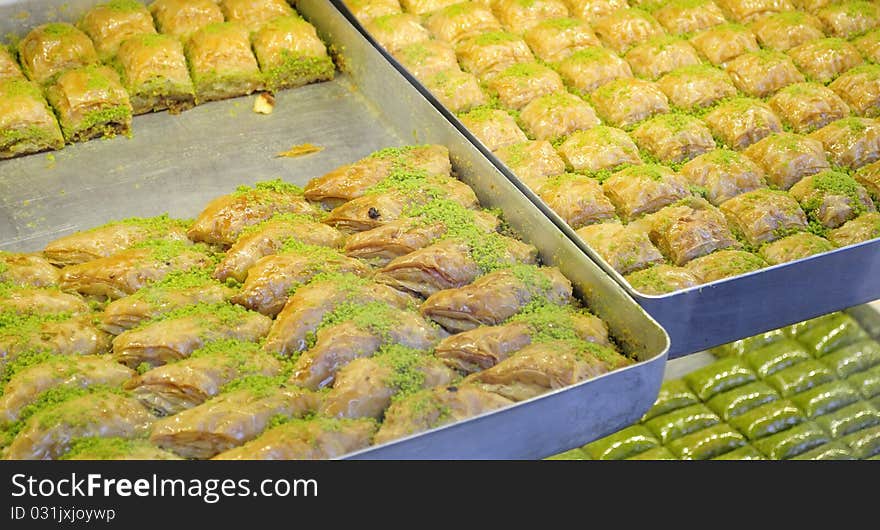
{"x":176,"y":164}
{"x":725,"y":310}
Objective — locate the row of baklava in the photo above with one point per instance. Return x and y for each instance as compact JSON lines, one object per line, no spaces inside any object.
{"x":707,"y":142}
{"x":114,"y":64}
{"x":808,"y":392}
{"x":286,"y":322}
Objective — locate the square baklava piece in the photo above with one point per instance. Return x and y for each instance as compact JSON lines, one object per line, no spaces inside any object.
{"x":787,"y":158}
{"x":688,"y":229}
{"x":221,"y":62}
{"x":460,"y":21}
{"x":763,"y":215}
{"x":740,"y":122}
{"x":832,"y":198}
{"x":806,"y":107}
{"x":578,"y":199}
{"x":423,"y":7}
{"x":593,"y":10}
{"x":624,"y":28}
{"x":252,"y":14}
{"x":724,"y":42}
{"x":824,"y":59}
{"x":783,"y":31}
{"x":689,"y":16}
{"x":290,"y":54}
{"x":182,"y":18}
{"x":848,"y":19}
{"x":458,"y":91}
{"x":627,"y":101}
{"x":869,"y":177}
{"x":53,"y":48}
{"x":489,"y":53}
{"x":598,"y":149}
{"x":862,"y":228}
{"x":554,"y":40}
{"x":532,"y":161}
{"x":495,"y":128}
{"x":696,"y":87}
{"x":762,"y":73}
{"x":644,"y":189}
{"x":674,"y":138}
{"x":557,"y":115}
{"x":8,"y":65}
{"x":869,"y":46}
{"x":111,"y":23}
{"x":659,"y":56}
{"x":661,"y":279}
{"x":586,"y":70}
{"x":518,"y":16}
{"x":626,"y":248}
{"x":394,"y":32}
{"x":724,"y":264}
{"x":424,"y":59}
{"x":850,"y":142}
{"x":860,"y":89}
{"x":517,"y":85}
{"x":743,"y":11}
{"x":794,"y":247}
{"x":90,"y":102}
{"x":365,"y":10}
{"x":27,"y":124}
{"x":723,"y":174}
{"x":154,"y":73}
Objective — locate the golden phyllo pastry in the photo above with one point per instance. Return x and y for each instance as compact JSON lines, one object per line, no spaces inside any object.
{"x":50,"y":49}
{"x":221,"y":62}
{"x":291,"y":54}
{"x":182,"y":18}
{"x":90,"y":102}
{"x":110,"y":24}
{"x":27,"y":124}
{"x":154,"y":72}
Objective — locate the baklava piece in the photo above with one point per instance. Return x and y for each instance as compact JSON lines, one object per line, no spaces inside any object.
{"x":428,"y":58}
{"x":27,"y":270}
{"x":674,"y":138}
{"x":824,"y":59}
{"x":27,"y":124}
{"x":586,"y":70}
{"x":221,"y":62}
{"x":460,"y":21}
{"x":518,"y":16}
{"x":695,"y":87}
{"x":8,"y":65}
{"x":625,"y":28}
{"x":495,"y":128}
{"x":723,"y":174}
{"x":290,"y":53}
{"x":593,"y":10}
{"x":760,"y":74}
{"x":625,"y":248}
{"x":850,"y":142}
{"x":832,"y":198}
{"x":182,"y":18}
{"x":557,"y":115}
{"x":724,"y":42}
{"x":458,"y":91}
{"x":661,"y":279}
{"x":90,"y":103}
{"x":688,"y":229}
{"x":111,"y":23}
{"x":644,"y":189}
{"x":532,"y":161}
{"x":489,"y":53}
{"x":810,"y":6}
{"x":869,"y":46}
{"x":554,"y":40}
{"x":787,"y":158}
{"x":659,"y":56}
{"x":598,"y":149}
{"x":365,"y":10}
{"x":869,"y":177}
{"x":795,"y":247}
{"x":806,"y":107}
{"x":625,"y":102}
{"x":53,"y":48}
{"x":521,"y":83}
{"x":763,"y":215}
{"x":252,"y":14}
{"x":860,"y":89}
{"x":394,"y":32}
{"x":578,"y":199}
{"x":154,"y":73}
{"x":862,"y":228}
{"x":689,"y":16}
{"x":783,"y":31}
{"x":849,"y":19}
{"x":743,"y":11}
{"x":423,"y":7}
{"x":741,"y":122}
{"x":724,"y":264}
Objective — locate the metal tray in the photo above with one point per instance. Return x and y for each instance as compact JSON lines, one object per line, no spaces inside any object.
{"x":725,"y":310}
{"x":176,"y":164}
